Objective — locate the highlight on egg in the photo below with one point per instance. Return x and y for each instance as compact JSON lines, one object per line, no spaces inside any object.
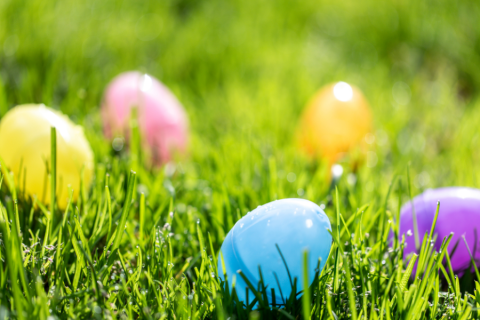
{"x":25,"y":150}
{"x":334,"y":122}
{"x":162,"y":119}
{"x":295,"y":226}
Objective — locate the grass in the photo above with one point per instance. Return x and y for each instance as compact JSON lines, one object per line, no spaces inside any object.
{"x":145,"y":244}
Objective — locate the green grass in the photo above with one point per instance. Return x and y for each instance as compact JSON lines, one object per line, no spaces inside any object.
{"x":243,"y":70}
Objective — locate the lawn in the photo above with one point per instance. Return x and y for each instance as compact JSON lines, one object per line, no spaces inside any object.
{"x":244,"y":71}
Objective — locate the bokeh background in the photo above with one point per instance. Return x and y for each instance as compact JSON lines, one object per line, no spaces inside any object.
{"x":244,"y":71}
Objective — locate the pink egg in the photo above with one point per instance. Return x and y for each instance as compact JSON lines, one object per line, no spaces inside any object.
{"x":162,"y":120}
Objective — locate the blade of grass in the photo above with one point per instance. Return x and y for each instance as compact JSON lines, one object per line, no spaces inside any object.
{"x":336,"y":268}
{"x":351,"y":295}
{"x":53,"y":169}
{"x":285,"y":264}
{"x":306,"y":298}
{"x":408,"y":272}
{"x":13,"y":262}
{"x":472,"y":258}
{"x":250,"y":286}
{"x":126,"y":209}
{"x":415,"y":223}
{"x":142,"y":217}
{"x":380,"y":235}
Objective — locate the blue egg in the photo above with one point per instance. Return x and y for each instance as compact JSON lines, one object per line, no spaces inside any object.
{"x":295,"y":225}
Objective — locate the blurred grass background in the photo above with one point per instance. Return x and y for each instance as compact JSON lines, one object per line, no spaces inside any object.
{"x":244,"y":70}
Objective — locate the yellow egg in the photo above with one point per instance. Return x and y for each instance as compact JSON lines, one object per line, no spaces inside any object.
{"x":25,"y":150}
{"x":335,"y":121}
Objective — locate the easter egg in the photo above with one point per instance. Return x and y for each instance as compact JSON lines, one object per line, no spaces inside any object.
{"x":336,"y":120}
{"x":295,"y":225}
{"x":162,"y":120}
{"x":459,"y":213}
{"x":25,"y":149}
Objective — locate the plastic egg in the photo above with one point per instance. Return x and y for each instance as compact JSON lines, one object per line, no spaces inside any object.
{"x":335,"y":121}
{"x":295,"y":225}
{"x":25,"y":149}
{"x":162,"y":120}
{"x":459,"y":213}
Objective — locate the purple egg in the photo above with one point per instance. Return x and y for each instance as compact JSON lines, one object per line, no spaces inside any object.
{"x":459,"y":213}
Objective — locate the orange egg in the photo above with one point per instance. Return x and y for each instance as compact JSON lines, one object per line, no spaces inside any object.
{"x":335,"y":121}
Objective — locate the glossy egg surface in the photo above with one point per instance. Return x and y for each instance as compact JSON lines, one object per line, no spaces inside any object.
{"x":295,"y":225}
{"x":25,"y":148}
{"x":335,"y":121}
{"x":161,"y":118}
{"x":459,"y":213}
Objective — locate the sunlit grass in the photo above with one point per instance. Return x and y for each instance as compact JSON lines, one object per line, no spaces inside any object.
{"x":244,"y":70}
{"x":115,"y":255}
